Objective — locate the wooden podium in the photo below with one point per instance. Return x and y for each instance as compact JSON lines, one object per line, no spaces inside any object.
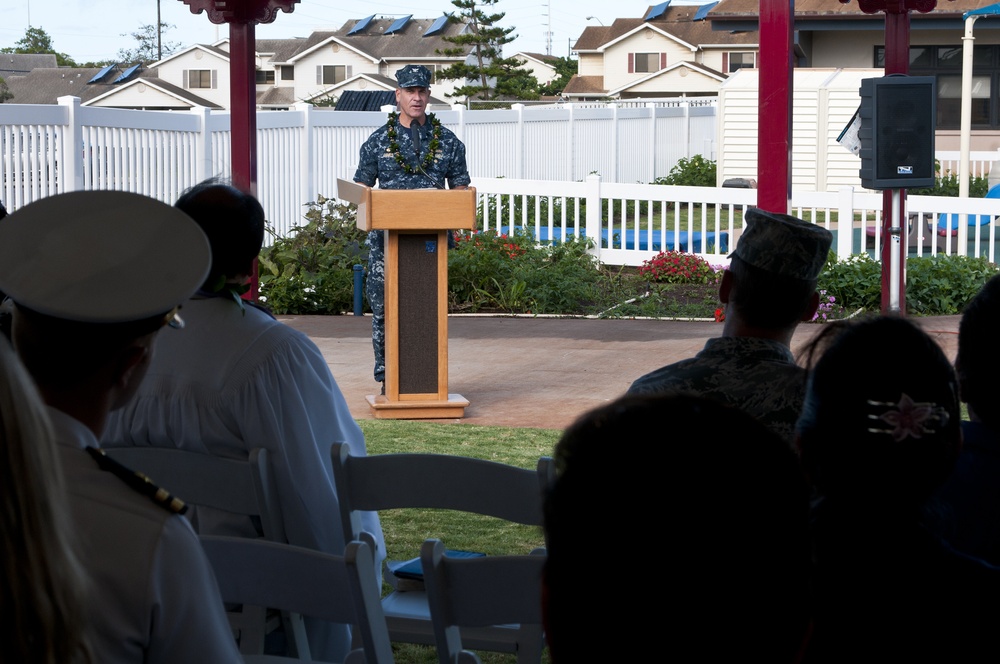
{"x":416,"y":293}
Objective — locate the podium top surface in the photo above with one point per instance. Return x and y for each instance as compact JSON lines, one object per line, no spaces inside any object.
{"x":411,"y":209}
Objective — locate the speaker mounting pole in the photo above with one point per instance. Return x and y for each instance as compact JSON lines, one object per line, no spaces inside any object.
{"x":897,"y":61}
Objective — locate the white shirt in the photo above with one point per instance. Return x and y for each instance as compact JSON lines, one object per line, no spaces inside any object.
{"x":231,"y":381}
{"x":153,"y":596}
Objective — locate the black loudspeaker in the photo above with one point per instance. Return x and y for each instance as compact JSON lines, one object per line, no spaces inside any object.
{"x":897,"y":131}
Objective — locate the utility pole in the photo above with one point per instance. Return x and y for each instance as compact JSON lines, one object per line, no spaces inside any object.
{"x":159,"y":30}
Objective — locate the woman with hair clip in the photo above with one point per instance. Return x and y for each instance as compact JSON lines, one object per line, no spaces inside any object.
{"x":878,"y":433}
{"x":42,"y":596}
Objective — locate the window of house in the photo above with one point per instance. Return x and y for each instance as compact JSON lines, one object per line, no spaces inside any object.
{"x":287,"y":72}
{"x":332,"y":74}
{"x":744,"y":60}
{"x":944,"y":63}
{"x":265,"y":77}
{"x":201,"y":78}
{"x":646,"y":62}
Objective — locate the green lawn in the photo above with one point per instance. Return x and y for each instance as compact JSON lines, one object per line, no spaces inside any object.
{"x":405,"y":530}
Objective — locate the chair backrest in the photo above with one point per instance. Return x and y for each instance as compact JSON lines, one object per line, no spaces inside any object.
{"x":242,"y":487}
{"x":304,"y":581}
{"x":393,"y":481}
{"x":456,"y":588}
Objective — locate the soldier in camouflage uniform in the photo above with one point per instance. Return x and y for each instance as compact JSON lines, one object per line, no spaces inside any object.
{"x":411,"y":151}
{"x":769,"y":287}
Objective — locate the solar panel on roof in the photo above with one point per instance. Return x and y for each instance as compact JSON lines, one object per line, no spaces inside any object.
{"x":101,"y":74}
{"x":437,"y":26}
{"x":125,"y":74}
{"x":361,"y":25}
{"x":703,"y":11}
{"x":657,"y":11}
{"x":398,"y":24}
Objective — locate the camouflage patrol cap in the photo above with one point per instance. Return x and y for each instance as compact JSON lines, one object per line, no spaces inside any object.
{"x":414,"y":76}
{"x":784,"y":245}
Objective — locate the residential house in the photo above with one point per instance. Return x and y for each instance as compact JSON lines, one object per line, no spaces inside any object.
{"x":670,"y":52}
{"x":362,"y":56}
{"x":834,"y":35}
{"x":113,"y":86}
{"x":539,"y":65}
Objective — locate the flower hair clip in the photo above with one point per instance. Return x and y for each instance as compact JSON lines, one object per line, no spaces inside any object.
{"x":908,"y":418}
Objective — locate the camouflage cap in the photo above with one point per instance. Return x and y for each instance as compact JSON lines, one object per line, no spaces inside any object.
{"x":414,"y":76}
{"x":783,"y":244}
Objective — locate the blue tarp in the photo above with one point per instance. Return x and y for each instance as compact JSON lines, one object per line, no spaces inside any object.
{"x":674,"y":241}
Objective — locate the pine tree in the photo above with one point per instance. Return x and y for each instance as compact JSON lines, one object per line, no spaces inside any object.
{"x":489,"y":74}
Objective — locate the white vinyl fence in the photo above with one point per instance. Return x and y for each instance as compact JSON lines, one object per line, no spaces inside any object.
{"x":554,"y":171}
{"x":302,"y":152}
{"x":636,"y":221}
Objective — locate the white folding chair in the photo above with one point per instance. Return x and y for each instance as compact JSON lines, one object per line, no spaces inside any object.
{"x":203,"y":480}
{"x":481,"y":592}
{"x":232,"y":485}
{"x":301,"y":581}
{"x":393,"y":481}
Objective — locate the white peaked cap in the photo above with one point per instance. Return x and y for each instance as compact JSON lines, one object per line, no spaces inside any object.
{"x":101,"y":256}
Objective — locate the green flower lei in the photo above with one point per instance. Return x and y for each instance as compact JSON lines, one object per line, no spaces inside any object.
{"x":431,"y":149}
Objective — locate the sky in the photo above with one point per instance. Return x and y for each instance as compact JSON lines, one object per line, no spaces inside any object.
{"x":94,"y":30}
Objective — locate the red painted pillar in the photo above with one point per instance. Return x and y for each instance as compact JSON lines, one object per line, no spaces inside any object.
{"x":242,"y":16}
{"x":243,"y":105}
{"x":243,"y":117}
{"x":774,"y":109}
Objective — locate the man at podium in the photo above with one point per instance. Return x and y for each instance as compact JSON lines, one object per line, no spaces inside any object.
{"x":411,"y":151}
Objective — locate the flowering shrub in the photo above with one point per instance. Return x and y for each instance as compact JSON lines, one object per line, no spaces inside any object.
{"x":511,"y":273}
{"x":491,"y":241}
{"x":827,"y":309}
{"x":677,"y":267}
{"x":311,"y":271}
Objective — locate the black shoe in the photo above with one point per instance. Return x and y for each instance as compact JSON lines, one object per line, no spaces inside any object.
{"x":383,"y":388}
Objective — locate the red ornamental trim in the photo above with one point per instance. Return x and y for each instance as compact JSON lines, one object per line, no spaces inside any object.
{"x":240,"y":11}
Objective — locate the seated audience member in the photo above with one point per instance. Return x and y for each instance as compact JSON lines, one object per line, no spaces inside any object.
{"x":879,"y":432}
{"x":44,"y":583}
{"x":94,"y":277}
{"x":769,"y":287}
{"x":238,"y":379}
{"x":970,"y":499}
{"x":718,"y":505}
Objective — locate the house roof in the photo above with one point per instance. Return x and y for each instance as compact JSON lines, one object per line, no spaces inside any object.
{"x":365,"y":100}
{"x":149,"y":77}
{"x":214,"y":50}
{"x":46,"y":85}
{"x":281,"y":50}
{"x":669,"y":72}
{"x":677,"y":21}
{"x":408,"y":43}
{"x":275,"y":96}
{"x":585,"y":85}
{"x":549,"y":60}
{"x":15,"y":64}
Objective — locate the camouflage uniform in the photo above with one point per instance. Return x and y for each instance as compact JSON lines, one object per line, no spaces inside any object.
{"x":758,"y":376}
{"x":377,"y":163}
{"x":755,"y":374}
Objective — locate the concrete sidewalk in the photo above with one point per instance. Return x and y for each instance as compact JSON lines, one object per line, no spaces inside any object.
{"x":539,"y":372}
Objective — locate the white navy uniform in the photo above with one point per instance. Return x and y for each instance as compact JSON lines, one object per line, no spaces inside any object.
{"x":153,"y":596}
{"x":234,"y":381}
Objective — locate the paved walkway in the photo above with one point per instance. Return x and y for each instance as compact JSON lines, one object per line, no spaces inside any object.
{"x":539,"y":372}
